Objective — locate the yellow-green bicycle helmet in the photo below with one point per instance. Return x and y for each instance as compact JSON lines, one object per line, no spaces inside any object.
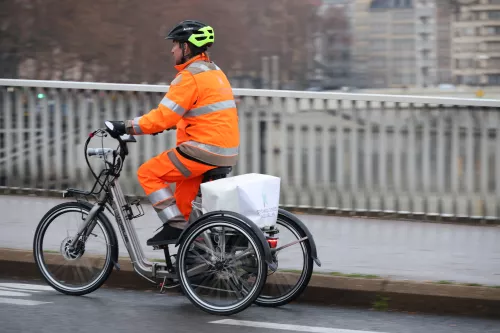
{"x":195,"y":32}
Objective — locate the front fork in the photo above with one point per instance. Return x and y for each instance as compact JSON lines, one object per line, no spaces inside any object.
{"x":90,"y":221}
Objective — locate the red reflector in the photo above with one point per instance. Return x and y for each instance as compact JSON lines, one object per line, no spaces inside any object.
{"x":273,"y":242}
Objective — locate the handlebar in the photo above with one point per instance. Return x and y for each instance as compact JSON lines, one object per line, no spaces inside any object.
{"x":102,"y":152}
{"x":114,"y":167}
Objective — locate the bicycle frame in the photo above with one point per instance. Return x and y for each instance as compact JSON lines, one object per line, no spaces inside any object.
{"x":141,"y":265}
{"x":116,"y":200}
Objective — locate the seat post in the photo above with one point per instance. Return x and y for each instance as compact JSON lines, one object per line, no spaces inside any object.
{"x":214,"y":174}
{"x":210,"y":175}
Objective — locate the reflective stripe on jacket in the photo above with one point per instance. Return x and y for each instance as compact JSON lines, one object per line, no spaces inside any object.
{"x":201,"y":104}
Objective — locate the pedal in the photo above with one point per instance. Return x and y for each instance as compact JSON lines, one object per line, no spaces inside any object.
{"x":162,"y":245}
{"x":159,"y":247}
{"x":130,"y":213}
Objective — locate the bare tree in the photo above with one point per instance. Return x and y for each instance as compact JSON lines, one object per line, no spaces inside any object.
{"x":124,"y":41}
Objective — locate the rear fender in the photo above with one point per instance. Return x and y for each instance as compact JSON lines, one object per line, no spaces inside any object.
{"x":301,"y":226}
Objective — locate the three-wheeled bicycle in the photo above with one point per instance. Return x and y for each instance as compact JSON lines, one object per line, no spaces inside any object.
{"x":224,"y":262}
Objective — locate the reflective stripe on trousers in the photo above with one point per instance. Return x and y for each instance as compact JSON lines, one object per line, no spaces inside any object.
{"x":163,"y":202}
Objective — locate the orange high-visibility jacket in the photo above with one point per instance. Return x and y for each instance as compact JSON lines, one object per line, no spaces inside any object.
{"x":201,"y":104}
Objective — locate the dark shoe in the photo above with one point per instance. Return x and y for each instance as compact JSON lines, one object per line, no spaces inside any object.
{"x":167,"y":235}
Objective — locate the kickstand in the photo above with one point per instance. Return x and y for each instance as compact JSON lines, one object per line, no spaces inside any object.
{"x":163,"y":289}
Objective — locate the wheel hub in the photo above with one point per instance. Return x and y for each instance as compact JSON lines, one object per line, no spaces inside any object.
{"x":72,"y":254}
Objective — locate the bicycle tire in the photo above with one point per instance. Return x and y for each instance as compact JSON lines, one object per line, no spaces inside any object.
{"x":305,"y":277}
{"x":262,"y":267}
{"x":107,"y":228}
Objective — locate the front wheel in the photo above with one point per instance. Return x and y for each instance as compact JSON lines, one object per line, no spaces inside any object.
{"x":87,"y":266}
{"x":221,"y":265}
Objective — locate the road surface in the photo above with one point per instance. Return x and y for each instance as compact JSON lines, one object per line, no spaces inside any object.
{"x":27,"y":306}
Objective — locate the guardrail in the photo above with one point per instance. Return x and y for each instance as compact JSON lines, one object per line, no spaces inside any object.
{"x":343,"y":152}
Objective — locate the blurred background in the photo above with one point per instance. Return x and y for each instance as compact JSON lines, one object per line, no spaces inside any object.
{"x":342,"y":99}
{"x":404,"y":45}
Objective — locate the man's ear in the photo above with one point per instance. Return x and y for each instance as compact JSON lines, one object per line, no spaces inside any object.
{"x":187,"y":50}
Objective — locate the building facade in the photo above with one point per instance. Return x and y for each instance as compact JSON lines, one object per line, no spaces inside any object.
{"x":476,"y":42}
{"x":401,"y":43}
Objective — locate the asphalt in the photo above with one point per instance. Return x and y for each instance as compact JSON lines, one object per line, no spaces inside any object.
{"x":123,"y":310}
{"x":392,"y":249}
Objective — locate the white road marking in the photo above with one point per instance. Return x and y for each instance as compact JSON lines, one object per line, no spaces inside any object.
{"x":25,"y":286}
{"x":20,"y":301}
{"x":13,"y":293}
{"x":287,"y":327}
{"x":12,"y":290}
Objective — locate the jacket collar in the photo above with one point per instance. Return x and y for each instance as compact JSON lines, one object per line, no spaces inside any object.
{"x":202,"y":57}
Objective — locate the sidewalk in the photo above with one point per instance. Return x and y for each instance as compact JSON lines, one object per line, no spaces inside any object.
{"x":391,"y":249}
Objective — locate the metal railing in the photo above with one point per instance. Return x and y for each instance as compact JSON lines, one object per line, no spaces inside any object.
{"x":333,"y":151}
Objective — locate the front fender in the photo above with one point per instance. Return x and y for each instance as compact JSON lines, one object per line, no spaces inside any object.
{"x":260,"y":235}
{"x":286,"y":214}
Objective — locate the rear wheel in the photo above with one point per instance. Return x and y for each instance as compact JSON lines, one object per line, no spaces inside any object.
{"x":295,"y":266}
{"x":80,"y":270}
{"x":221,"y":265}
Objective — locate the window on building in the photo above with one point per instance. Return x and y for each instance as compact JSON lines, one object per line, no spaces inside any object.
{"x":466,"y":47}
{"x":494,"y":79}
{"x":377,"y":62}
{"x":345,"y":55}
{"x":493,"y":47}
{"x":403,"y":29}
{"x":492,"y":31}
{"x":379,"y":28}
{"x":378,"y":45}
{"x":470,"y":31}
{"x":464,"y":63}
{"x":378,"y":4}
{"x":494,"y":14}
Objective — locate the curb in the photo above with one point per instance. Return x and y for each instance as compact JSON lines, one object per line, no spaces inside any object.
{"x":378,"y":294}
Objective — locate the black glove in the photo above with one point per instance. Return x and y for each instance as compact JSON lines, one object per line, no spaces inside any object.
{"x":118,"y":128}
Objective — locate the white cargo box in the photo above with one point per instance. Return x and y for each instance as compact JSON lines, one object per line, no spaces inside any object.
{"x":253,"y":195}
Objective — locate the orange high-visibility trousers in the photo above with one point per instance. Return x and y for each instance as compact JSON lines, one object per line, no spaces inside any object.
{"x":171,"y":167}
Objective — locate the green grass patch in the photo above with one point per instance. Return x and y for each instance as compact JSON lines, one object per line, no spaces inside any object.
{"x":381,"y":303}
{"x":292,"y":271}
{"x":356,"y":275}
{"x":157,"y":260}
{"x":444,"y":282}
